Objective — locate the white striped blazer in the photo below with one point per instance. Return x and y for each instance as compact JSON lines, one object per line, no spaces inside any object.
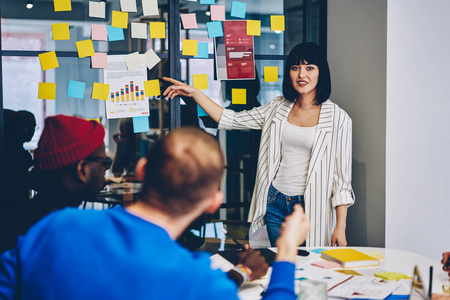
{"x":328,"y":182}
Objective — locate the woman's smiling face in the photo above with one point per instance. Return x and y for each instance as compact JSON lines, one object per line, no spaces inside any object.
{"x":304,"y":78}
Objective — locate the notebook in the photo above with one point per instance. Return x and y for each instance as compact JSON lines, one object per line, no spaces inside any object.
{"x":350,"y":258}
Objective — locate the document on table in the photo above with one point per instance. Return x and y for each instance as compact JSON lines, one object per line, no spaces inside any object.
{"x":363,"y":287}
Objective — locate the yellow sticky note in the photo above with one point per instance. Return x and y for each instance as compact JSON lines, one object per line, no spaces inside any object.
{"x":253,"y":27}
{"x":85,"y":48}
{"x":60,"y":31}
{"x":200,"y":81}
{"x":270,"y":74}
{"x":238,"y":96}
{"x":47,"y":90}
{"x":157,"y":30}
{"x":190,"y":47}
{"x":48,"y":60}
{"x":374,"y":254}
{"x":119,"y":19}
{"x":277,"y":22}
{"x":100,"y":91}
{"x":391,"y":275}
{"x":152,"y":88}
{"x":62,"y":5}
{"x":349,"y":272}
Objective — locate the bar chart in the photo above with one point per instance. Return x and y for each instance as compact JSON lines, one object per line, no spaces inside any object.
{"x":128,"y":93}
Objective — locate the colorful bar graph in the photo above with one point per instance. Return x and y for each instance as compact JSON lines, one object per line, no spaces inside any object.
{"x":130,"y":91}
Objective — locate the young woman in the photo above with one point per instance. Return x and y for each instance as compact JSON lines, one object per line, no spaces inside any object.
{"x":305,"y":154}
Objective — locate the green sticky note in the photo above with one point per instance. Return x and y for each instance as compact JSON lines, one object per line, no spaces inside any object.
{"x":62,"y":5}
{"x":85,"y":48}
{"x":48,"y":60}
{"x":157,"y":30}
{"x":119,"y":19}
{"x":391,"y":275}
{"x":60,"y":31}
{"x":190,"y":47}
{"x":238,"y":96}
{"x":100,"y":91}
{"x":47,"y":90}
{"x":253,"y":27}
{"x":270,"y":74}
{"x":200,"y":81}
{"x":277,"y":23}
{"x":152,"y":88}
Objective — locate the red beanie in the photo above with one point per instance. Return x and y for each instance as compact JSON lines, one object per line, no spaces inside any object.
{"x":67,"y":140}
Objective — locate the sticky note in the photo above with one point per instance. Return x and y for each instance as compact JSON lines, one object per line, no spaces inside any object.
{"x":60,"y":31}
{"x":128,"y":5}
{"x":189,"y":21}
{"x":134,"y":61}
{"x":76,"y":89}
{"x":217,"y":12}
{"x":62,"y":5}
{"x":374,"y":254}
{"x":150,"y":8}
{"x":391,"y":275}
{"x":85,"y":48}
{"x":99,"y":32}
{"x":326,"y":264}
{"x":141,"y":124}
{"x":151,"y":59}
{"x":100,"y":91}
{"x":99,"y":61}
{"x":238,"y":96}
{"x":139,"y":30}
{"x":114,"y":33}
{"x":202,"y":50}
{"x":48,"y":60}
{"x":348,"y":272}
{"x":201,"y":112}
{"x":47,"y":90}
{"x":214,"y":29}
{"x":238,"y":9}
{"x":277,"y":22}
{"x":200,"y":81}
{"x":254,"y":27}
{"x":157,"y":30}
{"x":318,"y":250}
{"x":190,"y":47}
{"x":152,"y":88}
{"x":270,"y":74}
{"x":119,"y":19}
{"x":207,"y":1}
{"x":97,"y":9}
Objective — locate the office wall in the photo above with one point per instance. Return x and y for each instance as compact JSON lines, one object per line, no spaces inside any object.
{"x":418,"y":127}
{"x":357,"y":57}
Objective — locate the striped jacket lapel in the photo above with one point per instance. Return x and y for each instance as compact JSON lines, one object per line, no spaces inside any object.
{"x":323,"y":136}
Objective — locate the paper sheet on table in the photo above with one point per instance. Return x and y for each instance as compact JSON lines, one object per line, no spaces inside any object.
{"x":214,"y":29}
{"x":150,"y":8}
{"x":238,"y":9}
{"x":99,"y":61}
{"x":219,"y":262}
{"x":48,"y":60}
{"x":190,"y":47}
{"x":238,"y":96}
{"x":202,"y":50}
{"x":364,"y":287}
{"x":62,"y":5}
{"x":189,"y":21}
{"x":139,"y":30}
{"x":119,"y":19}
{"x":152,"y":88}
{"x":200,"y":81}
{"x":157,"y":30}
{"x":270,"y":74}
{"x":85,"y":48}
{"x":254,"y":27}
{"x":217,"y":12}
{"x":134,"y":60}
{"x":60,"y":31}
{"x":331,"y":278}
{"x":369,"y":271}
{"x":151,"y":59}
{"x":100,"y":91}
{"x":97,"y":9}
{"x":47,"y":90}
{"x":99,"y":32}
{"x":114,"y":33}
{"x":276,"y":23}
{"x":128,"y":5}
{"x":76,"y":89}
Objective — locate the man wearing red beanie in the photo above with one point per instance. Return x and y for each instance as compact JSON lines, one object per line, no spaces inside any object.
{"x":70,"y":165}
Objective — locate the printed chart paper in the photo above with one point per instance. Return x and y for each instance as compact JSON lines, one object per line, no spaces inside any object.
{"x":126,"y":97}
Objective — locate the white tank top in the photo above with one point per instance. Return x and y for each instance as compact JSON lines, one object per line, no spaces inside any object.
{"x":296,"y":146}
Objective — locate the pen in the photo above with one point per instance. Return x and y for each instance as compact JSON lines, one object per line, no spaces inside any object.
{"x":430,"y":283}
{"x":234,"y":240}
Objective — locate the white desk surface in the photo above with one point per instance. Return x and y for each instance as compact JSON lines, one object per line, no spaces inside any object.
{"x":394,"y":261}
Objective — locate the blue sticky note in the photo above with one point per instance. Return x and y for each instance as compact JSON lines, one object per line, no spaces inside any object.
{"x":238,"y":9}
{"x":115,"y":33}
{"x":318,"y":250}
{"x":201,"y":112}
{"x":76,"y":89}
{"x":141,"y":124}
{"x":202,"y":50}
{"x":208,"y":2}
{"x":214,"y":29}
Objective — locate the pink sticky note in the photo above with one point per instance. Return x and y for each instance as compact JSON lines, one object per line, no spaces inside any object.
{"x":99,"y":61}
{"x":217,"y":13}
{"x":326,"y":264}
{"x":99,"y":32}
{"x":189,"y":21}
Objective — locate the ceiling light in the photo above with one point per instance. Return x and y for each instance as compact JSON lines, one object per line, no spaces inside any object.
{"x":208,"y":13}
{"x":29,"y":4}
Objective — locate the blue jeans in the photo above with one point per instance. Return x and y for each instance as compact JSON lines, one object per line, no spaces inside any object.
{"x":278,"y":207}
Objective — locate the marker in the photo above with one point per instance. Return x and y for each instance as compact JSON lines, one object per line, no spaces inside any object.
{"x":234,"y":240}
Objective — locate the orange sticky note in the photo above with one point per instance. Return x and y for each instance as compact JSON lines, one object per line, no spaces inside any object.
{"x":47,"y":90}
{"x":152,"y":88}
{"x":60,"y":31}
{"x":190,"y":47}
{"x":48,"y":60}
{"x":277,"y":23}
{"x":100,"y":91}
{"x":200,"y":81}
{"x":157,"y":30}
{"x":254,"y":27}
{"x":85,"y":48}
{"x":119,"y":19}
{"x":238,"y":96}
{"x":62,"y":5}
{"x":270,"y":74}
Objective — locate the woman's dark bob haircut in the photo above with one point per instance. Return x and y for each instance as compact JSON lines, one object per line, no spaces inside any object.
{"x":312,"y":54}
